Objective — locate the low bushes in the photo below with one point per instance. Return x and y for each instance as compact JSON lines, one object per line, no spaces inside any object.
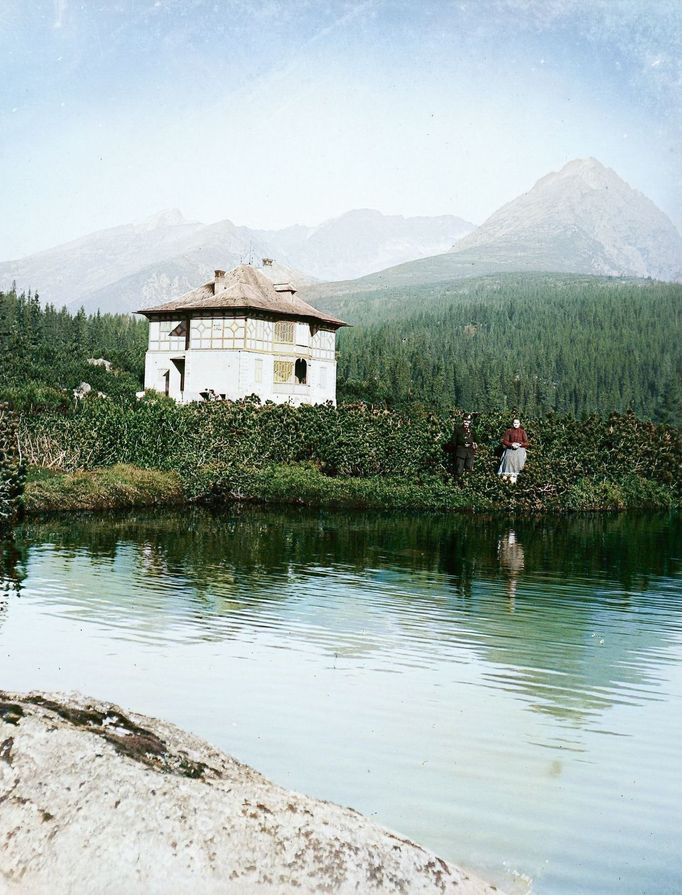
{"x":379,"y":457}
{"x":305,"y":484}
{"x":12,"y":470}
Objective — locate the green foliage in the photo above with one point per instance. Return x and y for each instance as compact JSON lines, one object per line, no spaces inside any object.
{"x":12,"y":470}
{"x":541,"y":342}
{"x":305,"y":484}
{"x":99,"y":489}
{"x":44,"y":353}
{"x":238,"y":449}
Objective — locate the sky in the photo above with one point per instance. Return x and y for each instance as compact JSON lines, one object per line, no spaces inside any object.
{"x":275,"y":112}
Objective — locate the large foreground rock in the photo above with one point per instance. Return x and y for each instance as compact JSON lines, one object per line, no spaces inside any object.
{"x":95,"y":800}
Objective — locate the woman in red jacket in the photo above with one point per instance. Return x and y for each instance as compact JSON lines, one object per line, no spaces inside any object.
{"x":515,"y":443}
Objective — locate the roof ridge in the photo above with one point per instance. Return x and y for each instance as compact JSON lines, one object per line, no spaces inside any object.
{"x":243,"y":287}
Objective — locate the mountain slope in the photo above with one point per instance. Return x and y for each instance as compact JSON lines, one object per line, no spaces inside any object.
{"x":83,"y":266}
{"x":124,"y":268}
{"x":364,"y":241}
{"x":585,"y":216}
{"x":525,"y":342}
{"x":583,"y":219}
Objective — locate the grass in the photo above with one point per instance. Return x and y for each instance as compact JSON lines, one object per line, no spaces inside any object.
{"x":304,"y":484}
{"x":123,"y":486}
{"x":113,"y":487}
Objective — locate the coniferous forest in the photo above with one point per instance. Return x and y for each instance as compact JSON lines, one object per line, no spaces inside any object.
{"x":44,"y":353}
{"x":527,"y":343}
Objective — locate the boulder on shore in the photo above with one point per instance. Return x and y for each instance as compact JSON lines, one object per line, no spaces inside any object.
{"x":95,"y":799}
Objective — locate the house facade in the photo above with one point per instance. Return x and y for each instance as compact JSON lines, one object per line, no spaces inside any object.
{"x":241,"y":335}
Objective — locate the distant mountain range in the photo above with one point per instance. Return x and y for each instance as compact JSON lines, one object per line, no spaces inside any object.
{"x":128,"y":267}
{"x":584,"y":219}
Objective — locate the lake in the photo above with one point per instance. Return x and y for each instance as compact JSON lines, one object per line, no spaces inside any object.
{"x":508,"y":694}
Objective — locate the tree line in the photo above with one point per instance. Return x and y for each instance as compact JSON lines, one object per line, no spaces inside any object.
{"x":44,"y":352}
{"x":522,"y":343}
{"x":516,"y":343}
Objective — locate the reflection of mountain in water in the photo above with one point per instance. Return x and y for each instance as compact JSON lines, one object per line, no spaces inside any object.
{"x":556,"y":608}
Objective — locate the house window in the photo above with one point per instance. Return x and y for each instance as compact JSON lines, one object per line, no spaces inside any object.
{"x":284,"y":331}
{"x":258,"y":369}
{"x":301,"y":371}
{"x":181,"y":331}
{"x":283,"y":371}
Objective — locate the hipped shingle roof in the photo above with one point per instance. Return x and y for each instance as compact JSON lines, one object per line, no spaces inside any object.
{"x":245,"y":289}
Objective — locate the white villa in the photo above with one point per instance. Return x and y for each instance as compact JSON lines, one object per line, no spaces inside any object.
{"x":240,"y":335}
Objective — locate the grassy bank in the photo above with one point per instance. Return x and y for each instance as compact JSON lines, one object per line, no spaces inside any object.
{"x":122,"y":486}
{"x":114,"y":487}
{"x":157,"y":452}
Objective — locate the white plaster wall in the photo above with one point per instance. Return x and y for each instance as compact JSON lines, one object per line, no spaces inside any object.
{"x":233,"y":371}
{"x":302,"y":336}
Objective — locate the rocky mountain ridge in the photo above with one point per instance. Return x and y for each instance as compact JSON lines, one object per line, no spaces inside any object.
{"x":583,"y":219}
{"x":588,"y":216}
{"x":127,"y":267}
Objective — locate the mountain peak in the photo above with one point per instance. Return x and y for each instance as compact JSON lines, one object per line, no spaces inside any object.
{"x":587,"y":171}
{"x":169,"y":217}
{"x":583,"y":164}
{"x":585,"y":219}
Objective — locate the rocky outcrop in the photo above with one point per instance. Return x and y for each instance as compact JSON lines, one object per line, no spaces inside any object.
{"x":95,"y":799}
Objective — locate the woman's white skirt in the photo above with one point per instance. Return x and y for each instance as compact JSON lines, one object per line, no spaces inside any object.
{"x":513,"y":461}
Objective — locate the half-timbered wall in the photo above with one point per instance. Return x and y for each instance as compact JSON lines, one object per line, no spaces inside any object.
{"x":235,"y":356}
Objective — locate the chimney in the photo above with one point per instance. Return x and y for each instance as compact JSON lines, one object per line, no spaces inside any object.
{"x":219,"y":282}
{"x":286,"y":290}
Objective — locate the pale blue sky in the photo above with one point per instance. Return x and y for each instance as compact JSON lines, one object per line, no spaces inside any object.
{"x":273,"y":112}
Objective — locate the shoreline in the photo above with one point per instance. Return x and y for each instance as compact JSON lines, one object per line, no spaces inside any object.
{"x":160,"y":803}
{"x":125,"y":486}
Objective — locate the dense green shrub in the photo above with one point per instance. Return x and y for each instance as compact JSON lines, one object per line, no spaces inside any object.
{"x":12,"y":470}
{"x":606,"y":462}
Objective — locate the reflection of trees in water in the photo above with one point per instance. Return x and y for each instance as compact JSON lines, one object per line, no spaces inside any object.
{"x":573,"y":645}
{"x":11,"y":574}
{"x":565,"y":579}
{"x":200,"y":544}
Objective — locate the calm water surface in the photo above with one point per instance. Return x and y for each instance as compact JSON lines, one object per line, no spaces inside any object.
{"x":508,"y":694}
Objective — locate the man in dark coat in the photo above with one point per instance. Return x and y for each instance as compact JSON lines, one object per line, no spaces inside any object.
{"x":463,"y":445}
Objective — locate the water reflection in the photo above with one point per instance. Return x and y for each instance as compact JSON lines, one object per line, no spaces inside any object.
{"x":494,"y":669}
{"x":553,"y":607}
{"x":512,"y":561}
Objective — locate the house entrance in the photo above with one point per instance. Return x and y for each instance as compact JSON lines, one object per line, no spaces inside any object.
{"x":179,"y":365}
{"x":301,"y":371}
